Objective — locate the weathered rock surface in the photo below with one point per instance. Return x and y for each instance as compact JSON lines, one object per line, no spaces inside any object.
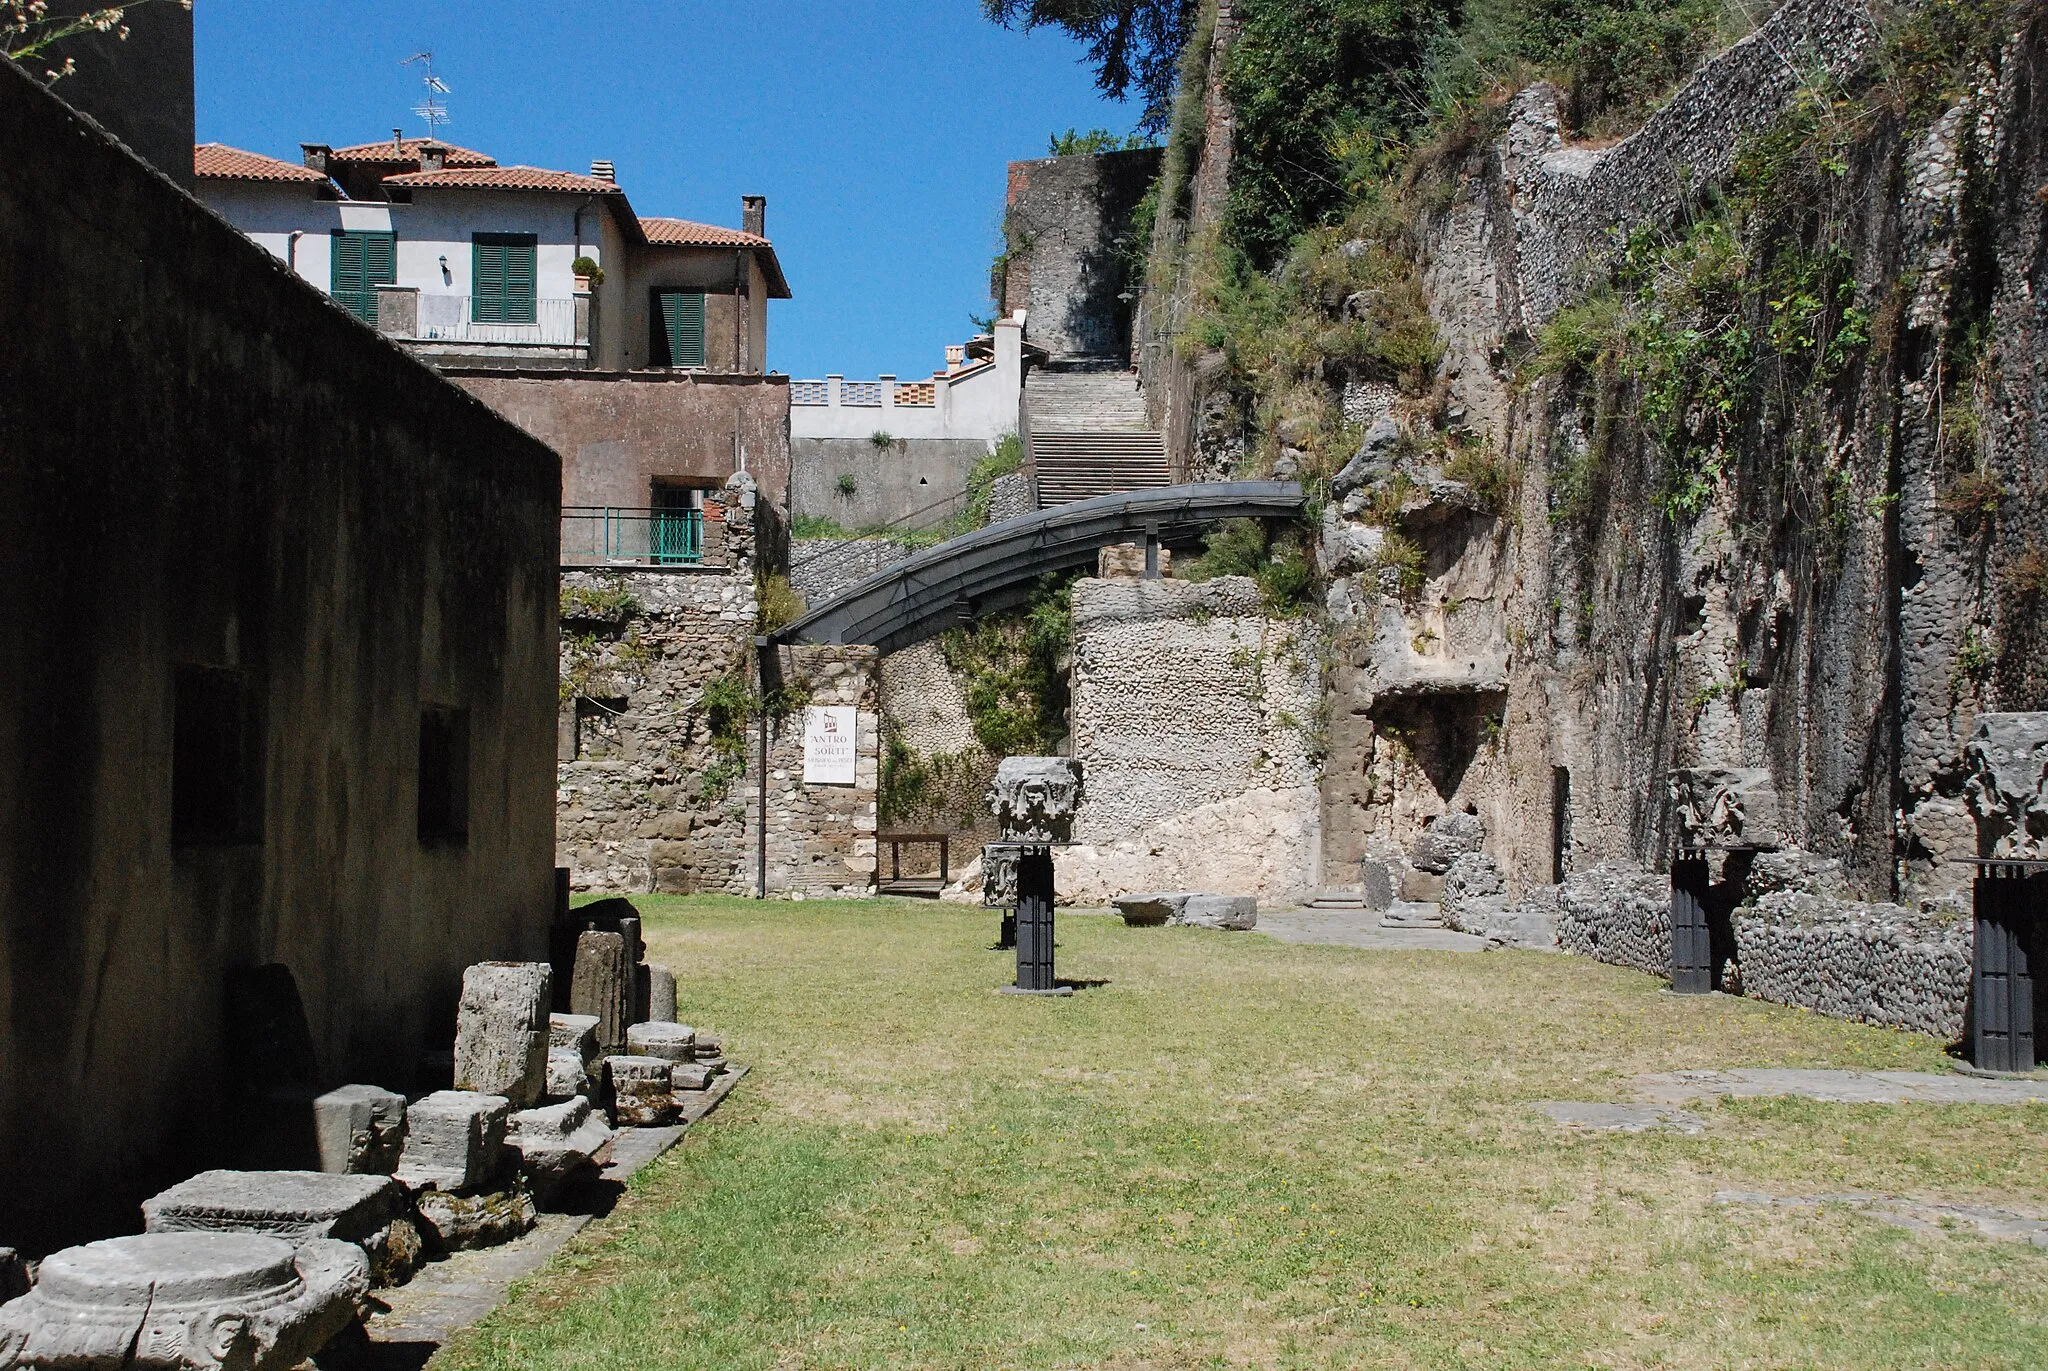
{"x":602,"y":988}
{"x":454,"y":1222}
{"x":569,"y":1074}
{"x":13,"y":1275}
{"x":453,"y":1138}
{"x":2008,"y":785}
{"x":693,"y":1075}
{"x":1373,"y":462}
{"x":1877,"y":963}
{"x":501,"y":1030}
{"x":185,"y":1300}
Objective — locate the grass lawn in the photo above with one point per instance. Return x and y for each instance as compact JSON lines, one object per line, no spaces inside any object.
{"x":1244,"y":1153}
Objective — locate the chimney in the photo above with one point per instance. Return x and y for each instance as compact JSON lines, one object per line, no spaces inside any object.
{"x":433,"y":156}
{"x":398,"y":142}
{"x":315,"y":155}
{"x":754,"y":214}
{"x":605,"y":171}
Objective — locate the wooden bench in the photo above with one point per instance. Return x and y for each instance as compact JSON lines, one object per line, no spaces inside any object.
{"x":924,"y":887}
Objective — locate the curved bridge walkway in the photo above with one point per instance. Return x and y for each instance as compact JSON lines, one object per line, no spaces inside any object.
{"x":998,"y":567}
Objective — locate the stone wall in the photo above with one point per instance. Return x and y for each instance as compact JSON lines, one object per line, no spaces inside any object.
{"x":1878,"y":963}
{"x":926,"y":724}
{"x":1068,"y":225}
{"x":1196,"y":716}
{"x":645,"y":802}
{"x":821,"y":838}
{"x":906,"y":483}
{"x":1615,"y":913}
{"x":820,"y":568}
{"x":253,"y":551}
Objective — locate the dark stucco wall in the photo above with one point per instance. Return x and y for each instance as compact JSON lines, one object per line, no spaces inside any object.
{"x":140,"y":87}
{"x":620,"y":431}
{"x":203,"y":462}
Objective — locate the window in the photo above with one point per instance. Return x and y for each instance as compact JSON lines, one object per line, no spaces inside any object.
{"x":363,"y":261}
{"x":678,"y":524}
{"x":676,"y":332}
{"x":444,"y":775}
{"x":502,"y":276}
{"x":216,"y":759}
{"x":599,"y":735}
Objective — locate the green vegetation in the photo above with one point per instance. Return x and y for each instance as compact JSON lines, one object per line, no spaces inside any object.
{"x":1073,"y":144}
{"x":587,"y":268}
{"x":1134,"y":44}
{"x":776,"y":602}
{"x":1012,"y":670}
{"x":1276,"y":557}
{"x":945,"y":788}
{"x":611,"y":603}
{"x":1243,"y":1153}
{"x":725,"y":706}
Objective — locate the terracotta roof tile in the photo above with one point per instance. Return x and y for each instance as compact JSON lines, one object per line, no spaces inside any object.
{"x":219,"y":162}
{"x":504,"y":178}
{"x":408,"y":150}
{"x":683,"y":233}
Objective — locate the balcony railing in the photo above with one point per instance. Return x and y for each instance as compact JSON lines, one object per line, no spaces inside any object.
{"x":600,"y":535}
{"x":416,"y":316}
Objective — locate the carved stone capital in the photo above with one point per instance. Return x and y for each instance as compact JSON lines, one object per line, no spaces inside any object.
{"x":2008,"y":785}
{"x":1725,"y":807}
{"x":1034,"y":798}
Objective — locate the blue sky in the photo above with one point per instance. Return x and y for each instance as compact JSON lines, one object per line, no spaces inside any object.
{"x":879,"y":131}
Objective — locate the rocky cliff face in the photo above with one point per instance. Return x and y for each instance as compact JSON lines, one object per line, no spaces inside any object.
{"x":1732,"y":459}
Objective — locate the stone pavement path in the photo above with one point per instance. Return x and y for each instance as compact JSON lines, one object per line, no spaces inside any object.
{"x":1841,"y":1087}
{"x":458,"y":1290}
{"x":1905,"y":1213}
{"x":1621,"y":1118}
{"x":1360,"y":928}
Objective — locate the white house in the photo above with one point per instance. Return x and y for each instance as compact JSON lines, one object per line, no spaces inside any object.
{"x":466,"y":260}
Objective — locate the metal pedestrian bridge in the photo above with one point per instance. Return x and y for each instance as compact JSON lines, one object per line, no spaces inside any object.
{"x":997,"y":568}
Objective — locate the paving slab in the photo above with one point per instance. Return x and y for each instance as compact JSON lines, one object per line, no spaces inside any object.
{"x":458,"y":1290}
{"x":1840,"y":1087}
{"x":1361,"y":928}
{"x":1925,"y":1215}
{"x":1621,"y":1118}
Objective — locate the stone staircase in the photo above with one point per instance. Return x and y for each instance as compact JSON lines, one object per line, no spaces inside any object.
{"x":1089,"y":434}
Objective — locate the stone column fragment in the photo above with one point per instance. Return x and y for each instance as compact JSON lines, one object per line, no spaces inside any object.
{"x":452,"y":1139}
{"x":501,"y":1033}
{"x":661,"y":994}
{"x":603,"y":987}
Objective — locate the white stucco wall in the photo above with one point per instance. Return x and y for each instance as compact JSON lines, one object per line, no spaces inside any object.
{"x":981,"y":405}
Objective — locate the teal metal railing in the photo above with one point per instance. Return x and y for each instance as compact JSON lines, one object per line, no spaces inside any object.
{"x":602,"y":534}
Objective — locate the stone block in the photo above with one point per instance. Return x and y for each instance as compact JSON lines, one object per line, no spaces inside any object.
{"x":185,"y":1300}
{"x":1443,"y":840}
{"x":1375,"y":885}
{"x":1420,"y":887}
{"x":692,"y":1076}
{"x":661,"y":994}
{"x":602,"y":987}
{"x":372,"y":1212}
{"x":457,"y":1223}
{"x":452,"y":1139}
{"x":1235,"y":912}
{"x":558,"y":1145}
{"x":352,"y":1129}
{"x":709,"y":1045}
{"x":673,"y":1041}
{"x":502,"y":1031}
{"x":578,"y":1032}
{"x":642,"y":1090}
{"x":569,"y":1075}
{"x":1150,"y":909}
{"x":1034,"y":798}
{"x":1126,"y":562}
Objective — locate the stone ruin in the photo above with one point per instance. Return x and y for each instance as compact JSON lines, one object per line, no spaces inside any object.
{"x":196,"y":1300}
{"x":1034,"y":799}
{"x":2008,"y":785}
{"x":261,"y":1267}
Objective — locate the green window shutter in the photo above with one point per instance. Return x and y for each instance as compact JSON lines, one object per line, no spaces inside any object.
{"x":362,"y":261}
{"x":504,"y":273}
{"x":679,"y":333}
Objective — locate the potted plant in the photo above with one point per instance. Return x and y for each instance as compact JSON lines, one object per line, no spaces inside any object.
{"x":587,"y":272}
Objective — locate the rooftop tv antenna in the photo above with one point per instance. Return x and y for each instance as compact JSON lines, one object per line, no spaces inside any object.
{"x":430,"y":108}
